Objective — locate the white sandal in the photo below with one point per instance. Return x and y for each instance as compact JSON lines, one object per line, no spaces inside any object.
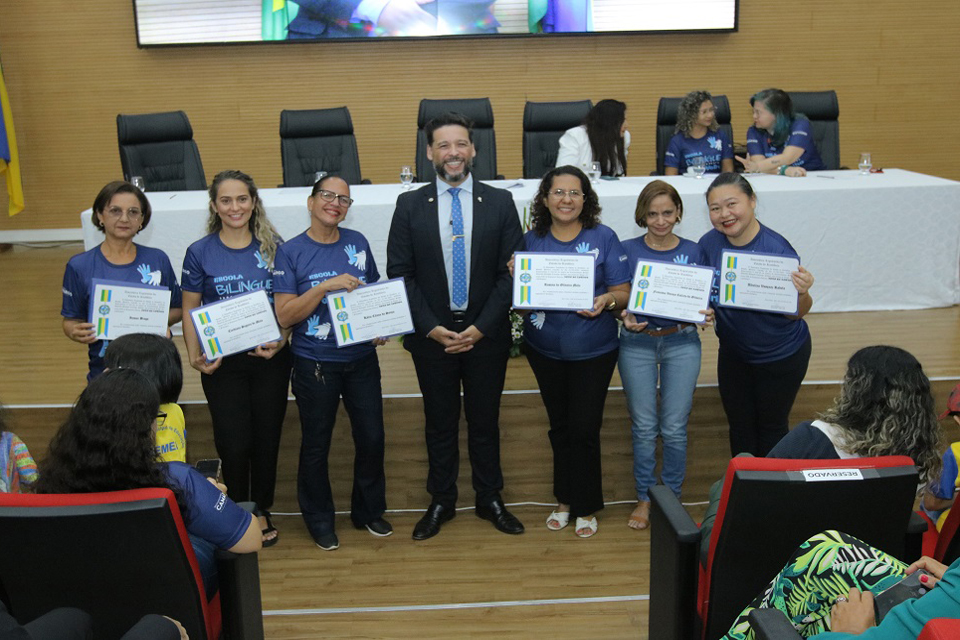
{"x":558,"y":520}
{"x":586,"y":527}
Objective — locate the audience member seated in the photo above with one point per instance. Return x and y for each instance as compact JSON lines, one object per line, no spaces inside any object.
{"x":18,"y":471}
{"x":780,"y":140}
{"x":827,"y":591}
{"x":68,"y":623}
{"x":158,"y":360}
{"x":603,"y":138}
{"x":698,"y":136}
{"x":885,"y":408}
{"x":108,"y":444}
{"x":938,"y":497}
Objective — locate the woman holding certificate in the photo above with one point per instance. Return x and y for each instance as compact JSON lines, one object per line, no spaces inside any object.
{"x":246,"y":392}
{"x":573,"y":353}
{"x":653,"y":349}
{"x":763,"y":355}
{"x":120,"y":211}
{"x":323,"y":259}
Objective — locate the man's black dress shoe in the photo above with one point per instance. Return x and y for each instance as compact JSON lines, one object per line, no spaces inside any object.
{"x":429,"y":524}
{"x":502,"y":519}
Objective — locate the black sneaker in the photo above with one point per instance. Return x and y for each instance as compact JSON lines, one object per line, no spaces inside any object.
{"x":328,"y":541}
{"x":379,"y":527}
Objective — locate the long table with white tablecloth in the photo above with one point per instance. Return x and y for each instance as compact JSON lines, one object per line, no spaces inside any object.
{"x":887,"y":240}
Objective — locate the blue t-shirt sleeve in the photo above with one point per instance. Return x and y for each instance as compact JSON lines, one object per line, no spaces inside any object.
{"x":754,"y":147}
{"x":947,"y":485}
{"x":284,"y":276}
{"x":801,"y":134}
{"x":616,"y":265}
{"x":672,"y":156}
{"x":211,"y":515}
{"x":726,"y":144}
{"x":75,"y":294}
{"x":193,"y":274}
{"x":170,"y":278}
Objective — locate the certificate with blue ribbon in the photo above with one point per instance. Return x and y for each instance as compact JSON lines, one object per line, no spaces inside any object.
{"x":758,"y":281}
{"x":669,"y":290}
{"x":553,"y":281}
{"x":121,"y":308}
{"x":378,"y":310}
{"x":234,"y":325}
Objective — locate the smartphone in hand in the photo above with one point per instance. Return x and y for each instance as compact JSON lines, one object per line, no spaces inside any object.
{"x":210,"y":468}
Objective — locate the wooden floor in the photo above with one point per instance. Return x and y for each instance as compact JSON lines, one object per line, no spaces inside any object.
{"x":470,"y":581}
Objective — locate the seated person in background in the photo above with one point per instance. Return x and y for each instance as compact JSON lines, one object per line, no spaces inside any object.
{"x":158,"y":360}
{"x":780,"y":140}
{"x":885,"y":408}
{"x":603,"y":137}
{"x":361,"y":18}
{"x":68,"y":623}
{"x":698,"y":135}
{"x":938,"y":497}
{"x":17,"y":468}
{"x":827,"y":588}
{"x":108,"y":444}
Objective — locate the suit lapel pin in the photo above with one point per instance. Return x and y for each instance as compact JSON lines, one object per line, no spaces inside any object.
{"x":430,"y":200}
{"x":479,"y":199}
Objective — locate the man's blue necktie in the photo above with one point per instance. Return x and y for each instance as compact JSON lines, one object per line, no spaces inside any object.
{"x":459,"y":253}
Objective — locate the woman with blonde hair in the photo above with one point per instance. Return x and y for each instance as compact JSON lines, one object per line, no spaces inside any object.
{"x":246,"y":392}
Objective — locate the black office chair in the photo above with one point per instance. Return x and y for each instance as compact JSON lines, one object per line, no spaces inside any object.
{"x":118,"y":556}
{"x":313,"y":140}
{"x":544,"y":123}
{"x":159,"y":148}
{"x":823,"y":110}
{"x":667,"y":122}
{"x":484,"y":140}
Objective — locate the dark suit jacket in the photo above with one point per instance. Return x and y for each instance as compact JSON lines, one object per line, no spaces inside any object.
{"x":414,"y":252}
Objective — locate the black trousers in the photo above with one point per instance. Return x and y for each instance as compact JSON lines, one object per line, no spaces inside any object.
{"x":247,"y":397}
{"x":481,"y":372}
{"x":574,"y":393}
{"x":757,"y":398}
{"x":68,"y":623}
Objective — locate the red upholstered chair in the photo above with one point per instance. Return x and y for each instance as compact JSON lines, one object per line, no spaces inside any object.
{"x":768,"y":507}
{"x":940,"y":629}
{"x":118,"y":556}
{"x":947,"y":547}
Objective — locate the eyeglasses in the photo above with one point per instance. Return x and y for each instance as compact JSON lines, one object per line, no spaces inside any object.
{"x":560,"y":194}
{"x":161,"y":418}
{"x":330,"y":196}
{"x":116,"y":212}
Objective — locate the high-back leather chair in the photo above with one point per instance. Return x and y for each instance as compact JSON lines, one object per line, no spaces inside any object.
{"x":768,"y":508}
{"x":313,"y":140}
{"x":823,"y":111}
{"x":480,"y":112}
{"x":159,"y":147}
{"x":667,"y":123}
{"x":119,"y":556}
{"x":544,"y":123}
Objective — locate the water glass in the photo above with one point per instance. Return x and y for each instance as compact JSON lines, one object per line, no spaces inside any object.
{"x":865,"y":164}
{"x":698,"y":166}
{"x":318,"y":176}
{"x":138,"y":182}
{"x":406,"y":177}
{"x":594,"y":172}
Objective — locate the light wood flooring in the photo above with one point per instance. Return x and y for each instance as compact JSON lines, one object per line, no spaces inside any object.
{"x":470,"y":581}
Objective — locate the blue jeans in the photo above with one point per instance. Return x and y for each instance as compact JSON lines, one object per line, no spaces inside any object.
{"x":675,"y":360}
{"x":318,"y":387}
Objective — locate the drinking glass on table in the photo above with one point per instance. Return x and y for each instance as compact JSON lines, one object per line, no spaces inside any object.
{"x":138,"y":182}
{"x":594,"y":172}
{"x":318,"y":176}
{"x":406,"y":177}
{"x":698,"y":166}
{"x":865,"y":164}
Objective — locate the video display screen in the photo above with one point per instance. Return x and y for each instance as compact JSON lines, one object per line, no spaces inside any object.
{"x":176,"y":22}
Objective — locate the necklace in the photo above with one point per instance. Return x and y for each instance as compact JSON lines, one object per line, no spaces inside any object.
{"x":666,"y":244}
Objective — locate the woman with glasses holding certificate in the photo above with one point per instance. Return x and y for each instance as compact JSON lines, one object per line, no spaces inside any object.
{"x":246,"y":392}
{"x":321,"y":260}
{"x":120,"y":211}
{"x":573,"y":353}
{"x":658,"y":349}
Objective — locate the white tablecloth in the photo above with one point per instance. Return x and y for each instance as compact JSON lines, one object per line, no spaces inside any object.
{"x":880,"y":241}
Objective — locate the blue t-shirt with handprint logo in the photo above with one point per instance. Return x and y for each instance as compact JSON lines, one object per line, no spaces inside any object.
{"x":714,"y":147}
{"x":304,"y":263}
{"x":217,"y":272}
{"x":687,"y":252}
{"x":151,"y":267}
{"x":566,"y":335}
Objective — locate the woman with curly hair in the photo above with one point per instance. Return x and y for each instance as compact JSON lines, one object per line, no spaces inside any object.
{"x":573,"y":353}
{"x":246,"y":392}
{"x":885,"y":408}
{"x":603,"y":138}
{"x":698,"y":136}
{"x":780,"y":140}
{"x":108,"y":444}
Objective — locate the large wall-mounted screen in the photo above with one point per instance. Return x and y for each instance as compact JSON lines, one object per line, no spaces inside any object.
{"x":180,"y":22}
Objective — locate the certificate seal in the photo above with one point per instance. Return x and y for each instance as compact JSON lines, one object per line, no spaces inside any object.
{"x":643,"y":284}
{"x":525,"y":277}
{"x":104,"y":309}
{"x":209,"y":331}
{"x":342,"y":316}
{"x":731,"y":276}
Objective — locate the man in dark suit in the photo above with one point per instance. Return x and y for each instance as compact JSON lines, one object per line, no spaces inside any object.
{"x":451,"y":241}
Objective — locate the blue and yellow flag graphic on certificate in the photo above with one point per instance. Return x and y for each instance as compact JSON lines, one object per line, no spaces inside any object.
{"x":730,"y":292}
{"x":731,"y":262}
{"x":646,"y":270}
{"x":102,"y":325}
{"x":641,"y":299}
{"x":105,"y":295}
{"x":525,"y":295}
{"x":9,"y":158}
{"x":204,"y":318}
{"x":524,"y":264}
{"x":338,"y":303}
{"x":346,"y":333}
{"x":215,"y":348}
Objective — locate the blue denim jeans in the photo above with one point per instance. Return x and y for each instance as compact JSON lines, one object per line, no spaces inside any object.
{"x":318,"y":387}
{"x":675,"y":360}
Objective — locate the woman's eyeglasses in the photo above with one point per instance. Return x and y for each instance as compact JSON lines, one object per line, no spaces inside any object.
{"x":330,"y":196}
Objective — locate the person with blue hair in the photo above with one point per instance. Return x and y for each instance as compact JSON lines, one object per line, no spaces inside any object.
{"x":780,"y":140}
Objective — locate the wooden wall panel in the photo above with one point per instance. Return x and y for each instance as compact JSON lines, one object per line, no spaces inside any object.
{"x":71,"y":67}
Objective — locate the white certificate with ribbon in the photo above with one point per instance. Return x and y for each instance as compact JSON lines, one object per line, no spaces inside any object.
{"x":758,"y":281}
{"x":378,"y":310}
{"x":553,"y":281}
{"x":121,"y":308}
{"x":670,"y":290}
{"x":237,"y":324}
